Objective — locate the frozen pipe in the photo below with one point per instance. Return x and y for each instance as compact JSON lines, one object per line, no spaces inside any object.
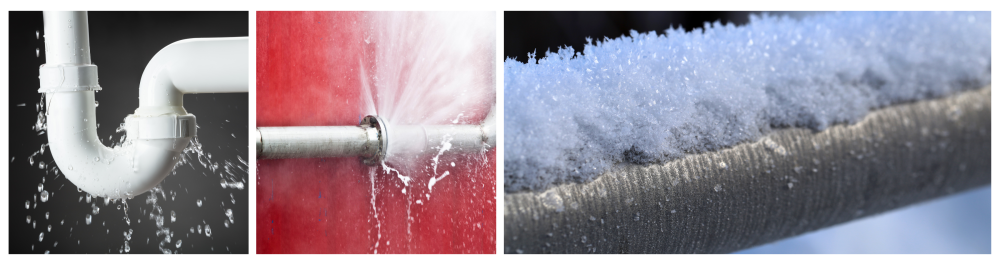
{"x":158,"y":131}
{"x":791,"y":182}
{"x":373,"y":139}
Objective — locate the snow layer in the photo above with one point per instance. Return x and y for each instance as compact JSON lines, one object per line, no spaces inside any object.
{"x":648,"y":98}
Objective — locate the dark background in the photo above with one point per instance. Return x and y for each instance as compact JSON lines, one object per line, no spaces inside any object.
{"x":529,"y":31}
{"x":122,"y":43}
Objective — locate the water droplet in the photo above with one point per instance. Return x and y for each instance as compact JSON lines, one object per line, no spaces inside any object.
{"x":96,"y":103}
{"x":40,"y":186}
{"x":673,"y":211}
{"x":45,"y":196}
{"x":127,"y":248}
{"x":96,"y":159}
{"x":718,"y":187}
{"x":208,"y":231}
{"x":38,"y":53}
{"x":723,"y":165}
{"x":88,"y":219}
{"x":46,"y":215}
{"x":37,"y":35}
{"x":29,"y":219}
{"x":199,"y":202}
{"x":179,"y":243}
{"x":41,"y":236}
{"x":27,"y":204}
{"x":49,"y":228}
{"x":583,"y":239}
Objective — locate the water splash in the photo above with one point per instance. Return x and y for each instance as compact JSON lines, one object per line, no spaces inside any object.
{"x":231,"y":173}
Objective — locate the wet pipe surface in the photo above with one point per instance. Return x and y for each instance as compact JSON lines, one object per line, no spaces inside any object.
{"x":307,"y":75}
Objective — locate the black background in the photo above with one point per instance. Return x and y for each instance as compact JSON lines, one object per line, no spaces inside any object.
{"x":525,"y":32}
{"x":122,"y":43}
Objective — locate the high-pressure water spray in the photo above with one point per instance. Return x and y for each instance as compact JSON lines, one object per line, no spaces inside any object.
{"x":160,"y":128}
{"x":370,"y":139}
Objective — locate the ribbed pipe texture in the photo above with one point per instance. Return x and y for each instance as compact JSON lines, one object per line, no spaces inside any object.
{"x":791,"y":182}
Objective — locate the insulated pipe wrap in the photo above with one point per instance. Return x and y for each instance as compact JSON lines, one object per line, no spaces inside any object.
{"x":791,"y":182}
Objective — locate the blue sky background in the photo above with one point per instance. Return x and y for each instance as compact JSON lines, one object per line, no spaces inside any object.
{"x":958,"y":223}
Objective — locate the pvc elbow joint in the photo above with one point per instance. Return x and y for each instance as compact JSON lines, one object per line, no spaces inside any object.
{"x":152,"y":148}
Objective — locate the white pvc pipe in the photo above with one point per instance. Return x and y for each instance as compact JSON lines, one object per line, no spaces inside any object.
{"x":67,"y":38}
{"x":155,"y":137}
{"x":192,"y":66}
{"x":122,"y":172}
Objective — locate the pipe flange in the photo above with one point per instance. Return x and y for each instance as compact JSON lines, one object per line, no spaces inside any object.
{"x":381,"y":140}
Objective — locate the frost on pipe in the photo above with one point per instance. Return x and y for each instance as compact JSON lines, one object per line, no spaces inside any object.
{"x":788,"y":183}
{"x":653,"y":98}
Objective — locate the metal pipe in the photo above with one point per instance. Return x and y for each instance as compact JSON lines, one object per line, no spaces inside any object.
{"x":791,"y":182}
{"x":371,"y":140}
{"x":319,"y":141}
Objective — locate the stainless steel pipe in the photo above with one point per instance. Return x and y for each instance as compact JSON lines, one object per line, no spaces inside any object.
{"x":317,"y":141}
{"x":371,"y":139}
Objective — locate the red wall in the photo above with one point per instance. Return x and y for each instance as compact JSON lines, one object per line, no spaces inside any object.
{"x":307,"y":76}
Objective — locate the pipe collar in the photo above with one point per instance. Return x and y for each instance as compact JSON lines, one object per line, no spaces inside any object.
{"x":67,"y":78}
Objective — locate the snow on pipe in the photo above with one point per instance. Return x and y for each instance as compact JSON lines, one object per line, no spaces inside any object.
{"x":160,"y":128}
{"x":791,"y":182}
{"x":370,"y":140}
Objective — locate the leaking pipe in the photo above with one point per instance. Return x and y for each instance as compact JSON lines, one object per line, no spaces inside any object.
{"x":371,"y":139}
{"x":791,"y":182}
{"x":158,"y":131}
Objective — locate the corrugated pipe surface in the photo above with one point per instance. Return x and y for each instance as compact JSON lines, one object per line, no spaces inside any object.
{"x":791,"y":182}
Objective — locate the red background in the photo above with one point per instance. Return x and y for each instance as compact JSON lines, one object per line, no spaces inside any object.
{"x":307,"y":75}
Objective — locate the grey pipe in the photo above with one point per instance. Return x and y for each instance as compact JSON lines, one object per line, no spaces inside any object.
{"x":318,"y":141}
{"x":792,"y":182}
{"x":371,"y":139}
